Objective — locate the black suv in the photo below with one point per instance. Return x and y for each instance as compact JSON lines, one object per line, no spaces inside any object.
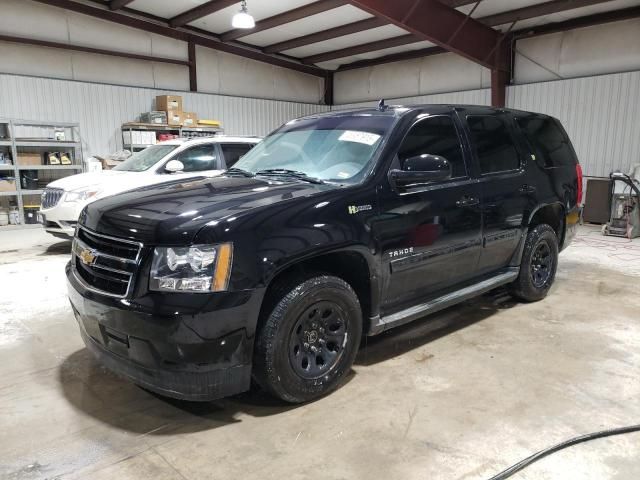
{"x":335,"y":226}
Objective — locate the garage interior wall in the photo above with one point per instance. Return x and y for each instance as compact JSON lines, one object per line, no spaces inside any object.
{"x":589,"y":78}
{"x":218,"y":72}
{"x":102,"y":109}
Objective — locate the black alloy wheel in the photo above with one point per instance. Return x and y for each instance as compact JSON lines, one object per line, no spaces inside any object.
{"x":541,"y":264}
{"x":317,"y":340}
{"x":538,"y":264}
{"x":308,"y":337}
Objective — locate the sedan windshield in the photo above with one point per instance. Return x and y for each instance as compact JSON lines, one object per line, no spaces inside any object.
{"x":334,"y":149}
{"x":145,"y":159}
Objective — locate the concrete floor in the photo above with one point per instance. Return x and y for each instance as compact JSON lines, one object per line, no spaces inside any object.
{"x":461,"y":395}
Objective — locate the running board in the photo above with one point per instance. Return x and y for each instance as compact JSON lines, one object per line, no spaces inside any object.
{"x":440,"y":303}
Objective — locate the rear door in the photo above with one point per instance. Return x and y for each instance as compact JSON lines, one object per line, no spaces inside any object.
{"x":505,"y":191}
{"x":232,"y":152}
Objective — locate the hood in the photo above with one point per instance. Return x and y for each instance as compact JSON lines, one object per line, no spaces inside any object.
{"x":173,"y":213}
{"x":110,"y":182}
{"x":85,"y":180}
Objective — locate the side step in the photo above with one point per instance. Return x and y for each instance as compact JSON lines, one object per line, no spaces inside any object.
{"x":418,"y":311}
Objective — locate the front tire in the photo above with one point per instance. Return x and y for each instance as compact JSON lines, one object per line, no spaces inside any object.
{"x":309,"y":340}
{"x":538,"y":266}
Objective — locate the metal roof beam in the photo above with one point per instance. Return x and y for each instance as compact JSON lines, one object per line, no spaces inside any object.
{"x":433,"y":21}
{"x":363,"y":48}
{"x":554,"y":27}
{"x":348,"y":29}
{"x":285,"y":17}
{"x":117,"y":4}
{"x":185,"y":36}
{"x":539,"y":10}
{"x":200,"y":11}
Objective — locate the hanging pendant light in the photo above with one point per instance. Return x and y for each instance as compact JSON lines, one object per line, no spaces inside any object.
{"x":243,"y":18}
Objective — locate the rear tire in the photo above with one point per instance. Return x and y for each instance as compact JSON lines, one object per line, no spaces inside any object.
{"x":309,"y":339}
{"x":538,"y":265}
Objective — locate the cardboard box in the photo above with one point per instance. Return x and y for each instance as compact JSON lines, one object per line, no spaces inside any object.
{"x":175,"y":118}
{"x":29,"y":158}
{"x":169,"y":103}
{"x":108,"y":164}
{"x":7,"y":185}
{"x":190,"y":119}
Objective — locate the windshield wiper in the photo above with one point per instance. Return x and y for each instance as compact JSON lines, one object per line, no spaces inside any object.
{"x":283,"y":172}
{"x":239,"y":171}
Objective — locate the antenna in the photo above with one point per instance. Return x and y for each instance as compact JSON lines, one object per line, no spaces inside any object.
{"x":381,"y":106}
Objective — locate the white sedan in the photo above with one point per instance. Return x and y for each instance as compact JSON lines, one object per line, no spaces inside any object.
{"x":64,"y":199}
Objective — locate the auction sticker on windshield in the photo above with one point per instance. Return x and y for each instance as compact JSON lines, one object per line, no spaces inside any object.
{"x":359,"y":137}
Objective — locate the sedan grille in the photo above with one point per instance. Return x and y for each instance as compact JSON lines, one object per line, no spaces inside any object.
{"x":105,"y":264}
{"x":51,"y":197}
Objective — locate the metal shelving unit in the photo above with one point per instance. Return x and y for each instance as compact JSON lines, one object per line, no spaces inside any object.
{"x":16,"y":142}
{"x":187,"y":132}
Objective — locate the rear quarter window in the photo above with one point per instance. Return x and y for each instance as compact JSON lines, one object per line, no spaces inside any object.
{"x":549,"y":141}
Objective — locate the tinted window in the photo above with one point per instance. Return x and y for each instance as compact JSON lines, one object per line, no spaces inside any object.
{"x":550,"y":143}
{"x":435,"y":136}
{"x":199,"y":158}
{"x":233,"y":151}
{"x":493,"y":143}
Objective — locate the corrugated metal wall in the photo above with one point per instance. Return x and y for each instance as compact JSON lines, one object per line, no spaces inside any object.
{"x":601,"y":115}
{"x":101,"y":109}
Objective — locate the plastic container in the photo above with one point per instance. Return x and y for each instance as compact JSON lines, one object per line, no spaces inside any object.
{"x":14,"y":216}
{"x":29,"y":179}
{"x":4,"y":217}
{"x":31,"y":214}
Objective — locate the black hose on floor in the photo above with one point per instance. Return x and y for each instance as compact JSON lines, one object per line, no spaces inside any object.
{"x":561,"y":446}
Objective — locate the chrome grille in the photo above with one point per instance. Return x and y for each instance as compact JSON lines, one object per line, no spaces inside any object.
{"x":105,"y":264}
{"x":51,"y":197}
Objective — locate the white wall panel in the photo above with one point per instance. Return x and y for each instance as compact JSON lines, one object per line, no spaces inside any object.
{"x":607,"y":48}
{"x":424,"y":76}
{"x":101,"y":109}
{"x":601,"y":115}
{"x":219,"y":72}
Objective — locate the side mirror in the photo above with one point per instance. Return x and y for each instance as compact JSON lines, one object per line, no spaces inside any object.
{"x":420,"y":170}
{"x":174,"y":166}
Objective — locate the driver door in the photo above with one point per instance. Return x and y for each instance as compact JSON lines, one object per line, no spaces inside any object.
{"x":430,"y":235}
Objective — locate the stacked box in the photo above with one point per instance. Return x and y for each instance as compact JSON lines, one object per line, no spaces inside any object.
{"x":190,"y":119}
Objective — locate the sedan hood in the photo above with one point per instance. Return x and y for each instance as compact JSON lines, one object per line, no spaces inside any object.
{"x":110,"y":182}
{"x":173,"y":213}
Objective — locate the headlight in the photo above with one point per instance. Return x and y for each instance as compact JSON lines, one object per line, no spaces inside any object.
{"x":199,"y":268}
{"x":80,"y":196}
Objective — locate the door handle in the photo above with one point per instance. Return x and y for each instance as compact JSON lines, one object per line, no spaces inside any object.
{"x":467,"y":201}
{"x":527,"y":189}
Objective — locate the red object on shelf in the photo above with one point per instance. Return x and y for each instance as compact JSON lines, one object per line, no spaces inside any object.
{"x":165,"y":136}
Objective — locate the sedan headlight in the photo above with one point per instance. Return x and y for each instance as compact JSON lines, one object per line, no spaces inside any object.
{"x":199,"y":268}
{"x":80,"y":196}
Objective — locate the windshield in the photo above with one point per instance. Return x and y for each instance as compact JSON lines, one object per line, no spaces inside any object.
{"x":335,"y":149}
{"x":145,"y":159}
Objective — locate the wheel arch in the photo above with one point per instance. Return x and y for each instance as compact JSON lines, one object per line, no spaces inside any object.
{"x":552,"y":214}
{"x":355,"y":265}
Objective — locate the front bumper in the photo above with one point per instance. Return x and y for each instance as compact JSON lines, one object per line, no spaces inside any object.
{"x":166,"y":344}
{"x":61,"y":219}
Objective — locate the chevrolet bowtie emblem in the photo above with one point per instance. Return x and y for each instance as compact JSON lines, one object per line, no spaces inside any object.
{"x":87,"y":257}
